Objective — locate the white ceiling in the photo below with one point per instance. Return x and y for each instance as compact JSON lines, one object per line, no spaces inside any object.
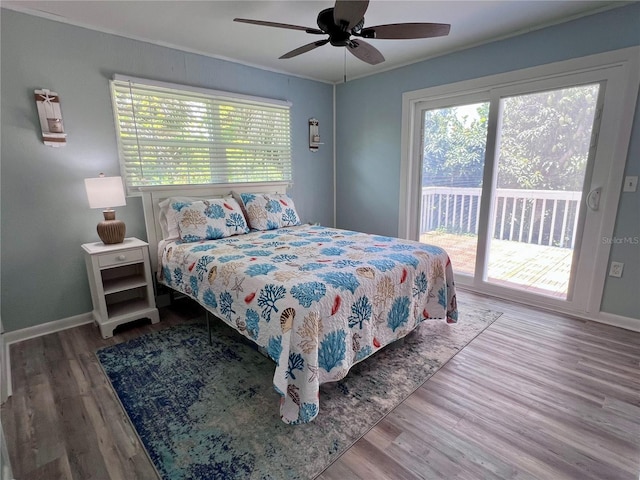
{"x":207,"y":27}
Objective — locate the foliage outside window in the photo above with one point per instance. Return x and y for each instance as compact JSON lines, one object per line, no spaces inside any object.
{"x":176,"y":135}
{"x":545,"y":139}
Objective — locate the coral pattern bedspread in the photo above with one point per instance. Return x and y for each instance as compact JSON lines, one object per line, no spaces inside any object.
{"x":317,"y":299}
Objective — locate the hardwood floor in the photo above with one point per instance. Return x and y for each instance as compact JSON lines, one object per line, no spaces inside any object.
{"x":535,"y":396}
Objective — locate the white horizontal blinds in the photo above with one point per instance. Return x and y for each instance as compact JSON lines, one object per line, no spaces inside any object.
{"x":169,"y":136}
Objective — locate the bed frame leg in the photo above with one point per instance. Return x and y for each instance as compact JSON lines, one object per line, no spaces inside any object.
{"x":208,"y":316}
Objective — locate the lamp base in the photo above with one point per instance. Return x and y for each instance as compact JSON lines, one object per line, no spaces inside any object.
{"x":111,"y":230}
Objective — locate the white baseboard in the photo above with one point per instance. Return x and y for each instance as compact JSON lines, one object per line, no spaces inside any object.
{"x":6,"y":364}
{"x":5,"y":376}
{"x":47,"y":328}
{"x":612,"y":319}
{"x":618,"y":321}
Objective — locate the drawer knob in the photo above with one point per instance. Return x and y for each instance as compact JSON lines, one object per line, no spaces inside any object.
{"x":121,"y":257}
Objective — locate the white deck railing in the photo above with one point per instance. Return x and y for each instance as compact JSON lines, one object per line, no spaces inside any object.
{"x":543,"y":217}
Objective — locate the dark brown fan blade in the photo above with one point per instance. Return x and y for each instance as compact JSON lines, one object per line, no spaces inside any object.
{"x":279,"y":25}
{"x":347,"y":13}
{"x":365,"y":52}
{"x":305,"y":48}
{"x":406,"y":30}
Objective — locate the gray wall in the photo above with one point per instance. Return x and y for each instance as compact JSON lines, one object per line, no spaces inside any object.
{"x":45,"y":214}
{"x":368,"y":144}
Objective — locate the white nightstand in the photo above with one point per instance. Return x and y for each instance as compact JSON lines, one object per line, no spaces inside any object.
{"x":121,"y":283}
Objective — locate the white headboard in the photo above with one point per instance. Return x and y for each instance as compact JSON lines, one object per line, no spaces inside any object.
{"x":152,"y":196}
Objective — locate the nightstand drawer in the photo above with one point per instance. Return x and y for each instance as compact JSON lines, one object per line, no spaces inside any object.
{"x":117,"y":258}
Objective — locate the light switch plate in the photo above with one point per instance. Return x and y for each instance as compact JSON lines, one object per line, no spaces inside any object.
{"x":630,"y":183}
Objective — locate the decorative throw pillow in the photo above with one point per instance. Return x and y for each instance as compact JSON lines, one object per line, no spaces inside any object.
{"x":267,"y":211}
{"x":209,"y":219}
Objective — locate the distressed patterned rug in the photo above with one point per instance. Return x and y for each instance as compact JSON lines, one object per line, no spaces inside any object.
{"x":210,"y":412}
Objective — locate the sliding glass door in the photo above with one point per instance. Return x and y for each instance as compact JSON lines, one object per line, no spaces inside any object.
{"x":503,"y":182}
{"x":518,"y":176}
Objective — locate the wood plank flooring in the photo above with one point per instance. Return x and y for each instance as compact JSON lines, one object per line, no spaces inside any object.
{"x":535,"y":396}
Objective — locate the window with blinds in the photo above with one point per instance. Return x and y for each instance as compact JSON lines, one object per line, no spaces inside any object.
{"x":175,"y":135}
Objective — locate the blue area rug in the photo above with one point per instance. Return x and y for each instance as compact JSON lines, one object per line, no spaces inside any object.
{"x":210,"y":412}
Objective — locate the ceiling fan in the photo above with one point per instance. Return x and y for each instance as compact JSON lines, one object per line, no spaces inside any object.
{"x":346,"y":20}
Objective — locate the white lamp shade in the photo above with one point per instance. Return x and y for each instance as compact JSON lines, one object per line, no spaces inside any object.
{"x":105,"y":192}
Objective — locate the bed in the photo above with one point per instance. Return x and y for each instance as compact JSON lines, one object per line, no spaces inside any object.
{"x":316,"y":300}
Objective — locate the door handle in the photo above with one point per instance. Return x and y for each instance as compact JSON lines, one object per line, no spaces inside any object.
{"x":593,"y":199}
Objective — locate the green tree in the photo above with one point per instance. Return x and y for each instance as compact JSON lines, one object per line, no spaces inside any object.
{"x":454,"y":147}
{"x":545,"y":139}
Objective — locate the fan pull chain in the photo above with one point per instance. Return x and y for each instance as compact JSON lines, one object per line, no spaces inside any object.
{"x":345,"y":65}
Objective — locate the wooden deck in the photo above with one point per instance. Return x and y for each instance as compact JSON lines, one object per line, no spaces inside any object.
{"x":535,"y":268}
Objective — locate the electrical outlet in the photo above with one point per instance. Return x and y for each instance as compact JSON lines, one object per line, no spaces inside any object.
{"x":630,"y":183}
{"x":616,"y":269}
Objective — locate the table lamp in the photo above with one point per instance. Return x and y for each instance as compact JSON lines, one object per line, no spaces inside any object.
{"x":107,"y":192}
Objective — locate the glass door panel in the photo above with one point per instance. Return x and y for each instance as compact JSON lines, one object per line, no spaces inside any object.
{"x":544,"y":140}
{"x":453,"y":151}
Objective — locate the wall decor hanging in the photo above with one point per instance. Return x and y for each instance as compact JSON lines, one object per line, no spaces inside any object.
{"x":48,"y":104}
{"x":314,"y":135}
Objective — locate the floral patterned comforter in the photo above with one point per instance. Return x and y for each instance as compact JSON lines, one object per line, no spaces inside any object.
{"x":318,"y":300}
